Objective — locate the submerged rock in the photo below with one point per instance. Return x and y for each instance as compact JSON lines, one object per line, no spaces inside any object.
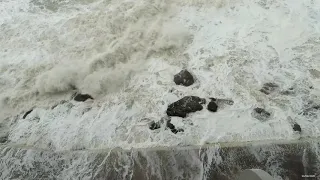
{"x":27,"y":113}
{"x":173,"y":128}
{"x":269,"y":88}
{"x":296,"y":127}
{"x":187,"y":104}
{"x":4,"y":138}
{"x":82,"y":97}
{"x":154,"y":125}
{"x":261,"y":114}
{"x":183,"y":78}
{"x":212,"y":106}
{"x":164,"y":121}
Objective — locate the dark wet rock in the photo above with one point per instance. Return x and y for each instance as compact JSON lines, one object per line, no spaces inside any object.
{"x":187,"y":104}
{"x":296,"y":127}
{"x":317,"y":107}
{"x":82,"y":97}
{"x":183,"y":78}
{"x":54,"y":106}
{"x":175,"y":131}
{"x":157,"y":125}
{"x":27,"y":113}
{"x":261,"y":114}
{"x":170,"y":125}
{"x":212,"y":106}
{"x":261,"y":111}
{"x":164,"y":121}
{"x":154,"y":125}
{"x":269,"y":88}
{"x":173,"y":128}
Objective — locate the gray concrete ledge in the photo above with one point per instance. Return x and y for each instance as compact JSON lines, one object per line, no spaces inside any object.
{"x":294,"y":160}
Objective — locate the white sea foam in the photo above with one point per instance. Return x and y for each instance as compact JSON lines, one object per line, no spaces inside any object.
{"x":125,"y":53}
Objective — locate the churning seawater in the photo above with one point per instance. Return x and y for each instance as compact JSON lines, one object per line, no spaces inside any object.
{"x":125,"y":53}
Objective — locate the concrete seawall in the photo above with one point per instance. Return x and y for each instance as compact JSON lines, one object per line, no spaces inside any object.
{"x":293,"y":160}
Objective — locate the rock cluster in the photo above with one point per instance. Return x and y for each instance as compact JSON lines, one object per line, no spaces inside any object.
{"x":191,"y":104}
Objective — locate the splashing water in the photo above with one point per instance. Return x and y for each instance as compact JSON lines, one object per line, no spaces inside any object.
{"x":125,"y":54}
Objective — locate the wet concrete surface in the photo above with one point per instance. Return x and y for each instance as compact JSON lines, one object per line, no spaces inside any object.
{"x":297,"y":160}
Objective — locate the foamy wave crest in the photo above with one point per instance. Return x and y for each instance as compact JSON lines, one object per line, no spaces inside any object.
{"x":94,"y":51}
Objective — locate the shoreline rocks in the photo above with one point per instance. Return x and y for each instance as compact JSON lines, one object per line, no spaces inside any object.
{"x":168,"y":125}
{"x":82,"y":97}
{"x":212,"y":106}
{"x":186,"y":105}
{"x":296,"y":127}
{"x":184,"y":78}
{"x":154,"y":125}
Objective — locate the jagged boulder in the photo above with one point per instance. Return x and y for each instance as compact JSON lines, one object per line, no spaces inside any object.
{"x":296,"y":127}
{"x":186,"y":105}
{"x":184,"y":78}
{"x":212,"y":106}
{"x":82,"y":97}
